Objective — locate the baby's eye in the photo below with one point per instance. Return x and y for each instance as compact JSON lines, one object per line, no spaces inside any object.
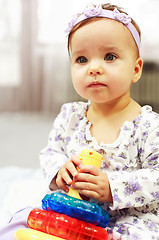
{"x":81,"y":60}
{"x":109,"y":57}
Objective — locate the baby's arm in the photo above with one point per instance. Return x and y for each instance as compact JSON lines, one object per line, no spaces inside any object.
{"x":138,"y":188}
{"x":54,"y":156}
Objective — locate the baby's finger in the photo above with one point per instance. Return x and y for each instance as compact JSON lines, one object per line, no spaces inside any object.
{"x":87,"y":189}
{"x":85,"y":177}
{"x":89,"y":194}
{"x":90,"y":169}
{"x":66,"y":177}
{"x":77,"y":161}
{"x":61,"y":184}
{"x":71,"y":168}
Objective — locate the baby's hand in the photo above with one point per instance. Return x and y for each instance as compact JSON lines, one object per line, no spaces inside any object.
{"x":92,"y":183}
{"x":67,"y":172}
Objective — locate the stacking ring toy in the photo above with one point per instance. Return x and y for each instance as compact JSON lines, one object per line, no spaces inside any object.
{"x":68,"y":216}
{"x":72,"y":204}
{"x":63,"y":226}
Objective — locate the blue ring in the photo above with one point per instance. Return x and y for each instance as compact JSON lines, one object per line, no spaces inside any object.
{"x":76,"y":208}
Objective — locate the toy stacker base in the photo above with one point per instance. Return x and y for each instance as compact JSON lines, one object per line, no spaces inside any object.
{"x":30,"y":234}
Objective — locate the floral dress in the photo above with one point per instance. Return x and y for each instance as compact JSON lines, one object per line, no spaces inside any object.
{"x":131,"y":163}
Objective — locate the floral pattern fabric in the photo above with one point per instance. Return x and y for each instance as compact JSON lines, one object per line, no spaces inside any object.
{"x":131,"y":163}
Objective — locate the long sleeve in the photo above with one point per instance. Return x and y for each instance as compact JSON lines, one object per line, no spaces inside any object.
{"x":66,"y":138}
{"x":140,"y":187}
{"x":53,"y":156}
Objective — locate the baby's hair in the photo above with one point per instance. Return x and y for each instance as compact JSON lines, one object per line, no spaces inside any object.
{"x":106,"y":6}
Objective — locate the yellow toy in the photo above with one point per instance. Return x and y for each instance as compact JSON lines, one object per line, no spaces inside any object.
{"x":88,"y":157}
{"x":28,"y":234}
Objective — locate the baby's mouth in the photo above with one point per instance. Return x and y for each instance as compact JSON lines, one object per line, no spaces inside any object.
{"x":97,"y":84}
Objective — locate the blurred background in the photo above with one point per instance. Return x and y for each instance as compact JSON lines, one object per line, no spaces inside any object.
{"x":35,"y":74}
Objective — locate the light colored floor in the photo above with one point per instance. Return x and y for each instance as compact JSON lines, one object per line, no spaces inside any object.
{"x":22,"y":136}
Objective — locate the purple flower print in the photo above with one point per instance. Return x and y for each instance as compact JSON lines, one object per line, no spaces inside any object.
{"x":140,"y":151}
{"x":68,"y":139}
{"x":153,"y":147}
{"x":151,"y":226}
{"x":136,"y":122}
{"x":155,"y":195}
{"x":73,"y":109}
{"x":128,"y":190}
{"x":63,"y":109}
{"x":117,"y":168}
{"x":48,"y":152}
{"x":80,"y":117}
{"x":116,"y":198}
{"x":147,"y":124}
{"x":135,"y":236}
{"x":128,"y":204}
{"x":76,"y":125}
{"x":122,"y":155}
{"x":132,"y":187}
{"x":153,"y":160}
{"x":57,"y":138}
{"x":140,"y":199}
{"x":121,"y":228}
{"x":135,"y":220}
{"x":105,"y":165}
{"x":126,"y":128}
{"x":145,"y":135}
{"x":157,"y":182}
{"x":64,"y":114}
{"x":62,"y":149}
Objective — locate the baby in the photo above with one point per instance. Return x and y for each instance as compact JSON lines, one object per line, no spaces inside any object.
{"x":104,"y":48}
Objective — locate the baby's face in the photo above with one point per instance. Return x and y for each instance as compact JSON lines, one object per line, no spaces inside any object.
{"x":103,"y":58}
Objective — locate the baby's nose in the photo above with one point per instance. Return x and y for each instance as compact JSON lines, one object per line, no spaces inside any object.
{"x":95,"y":70}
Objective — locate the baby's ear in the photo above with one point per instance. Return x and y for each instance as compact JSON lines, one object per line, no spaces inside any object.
{"x":137,"y":69}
